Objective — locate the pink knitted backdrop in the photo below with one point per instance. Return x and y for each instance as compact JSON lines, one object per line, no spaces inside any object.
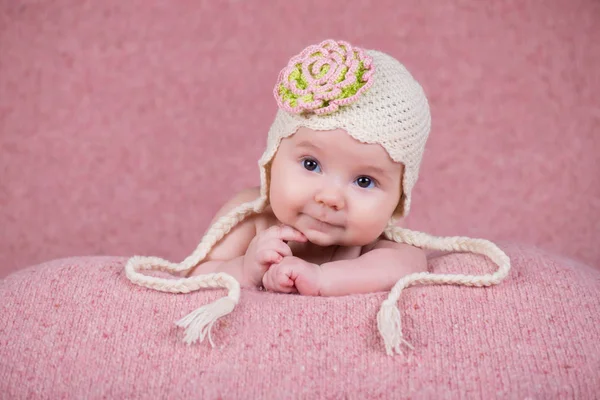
{"x":125,"y":125}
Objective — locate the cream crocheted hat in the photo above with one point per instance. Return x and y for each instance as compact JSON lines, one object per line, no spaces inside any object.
{"x":375,"y":99}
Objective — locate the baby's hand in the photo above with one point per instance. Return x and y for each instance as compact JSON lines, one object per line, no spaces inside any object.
{"x":267,"y":248}
{"x":293,"y":275}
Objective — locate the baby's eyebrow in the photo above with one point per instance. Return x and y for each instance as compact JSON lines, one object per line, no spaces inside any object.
{"x":374,"y":170}
{"x":310,"y":145}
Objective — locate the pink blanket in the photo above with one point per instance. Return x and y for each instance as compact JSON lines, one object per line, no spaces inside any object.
{"x":77,"y":328}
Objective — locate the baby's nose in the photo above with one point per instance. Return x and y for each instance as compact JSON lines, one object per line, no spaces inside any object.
{"x":331,"y":197}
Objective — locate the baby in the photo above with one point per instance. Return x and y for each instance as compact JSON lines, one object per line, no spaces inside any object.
{"x":342,"y":158}
{"x":330,"y":199}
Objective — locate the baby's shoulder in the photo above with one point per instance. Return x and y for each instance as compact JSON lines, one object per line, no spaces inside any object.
{"x":241,"y":197}
{"x":262,"y":220}
{"x":383,"y":243}
{"x":245,"y":196}
{"x":235,"y":243}
{"x":414,"y":255}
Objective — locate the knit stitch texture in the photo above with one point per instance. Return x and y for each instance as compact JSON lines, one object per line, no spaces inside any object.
{"x":77,"y":328}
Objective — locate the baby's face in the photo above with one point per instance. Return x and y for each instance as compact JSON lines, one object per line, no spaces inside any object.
{"x":333,"y":188}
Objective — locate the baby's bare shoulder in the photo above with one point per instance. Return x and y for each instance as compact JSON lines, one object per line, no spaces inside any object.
{"x":412,"y":254}
{"x":259,"y":222}
{"x":243,"y":196}
{"x":236,"y":242}
{"x":383,"y":243}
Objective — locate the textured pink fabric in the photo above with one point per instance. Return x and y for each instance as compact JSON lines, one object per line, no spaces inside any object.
{"x":124,"y":125}
{"x":77,"y":328}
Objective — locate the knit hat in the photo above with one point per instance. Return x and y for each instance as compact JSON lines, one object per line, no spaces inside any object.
{"x":374,"y":98}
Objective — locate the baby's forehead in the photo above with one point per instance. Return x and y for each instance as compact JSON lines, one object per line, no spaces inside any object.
{"x":339,"y":144}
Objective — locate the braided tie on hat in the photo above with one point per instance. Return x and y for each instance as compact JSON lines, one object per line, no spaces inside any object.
{"x":199,"y":322}
{"x":388,"y":317}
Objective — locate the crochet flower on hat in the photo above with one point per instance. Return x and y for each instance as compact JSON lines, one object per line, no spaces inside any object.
{"x":324,"y":77}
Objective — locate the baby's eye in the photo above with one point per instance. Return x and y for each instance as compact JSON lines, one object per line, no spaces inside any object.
{"x":365,"y":182}
{"x":311,"y":165}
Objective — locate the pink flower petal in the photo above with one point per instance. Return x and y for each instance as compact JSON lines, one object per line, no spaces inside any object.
{"x":326,"y":92}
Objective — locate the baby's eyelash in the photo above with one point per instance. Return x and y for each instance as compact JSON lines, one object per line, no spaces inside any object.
{"x":310,"y":164}
{"x":372,"y":180}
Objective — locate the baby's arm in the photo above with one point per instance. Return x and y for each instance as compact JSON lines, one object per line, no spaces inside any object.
{"x":245,"y":253}
{"x":375,"y":271}
{"x":228,"y":254}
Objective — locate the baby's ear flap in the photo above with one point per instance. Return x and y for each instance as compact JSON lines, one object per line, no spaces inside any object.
{"x":399,"y":211}
{"x":268,"y":180}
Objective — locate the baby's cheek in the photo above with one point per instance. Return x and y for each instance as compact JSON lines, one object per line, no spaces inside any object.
{"x":284,"y":201}
{"x":296,"y":192}
{"x":366,"y":228}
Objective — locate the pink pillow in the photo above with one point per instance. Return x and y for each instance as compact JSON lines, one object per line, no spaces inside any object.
{"x":78,"y":328}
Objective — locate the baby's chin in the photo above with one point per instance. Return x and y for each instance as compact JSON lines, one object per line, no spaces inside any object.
{"x":325,"y":240}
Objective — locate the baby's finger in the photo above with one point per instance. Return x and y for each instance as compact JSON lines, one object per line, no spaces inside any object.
{"x":267,"y":281}
{"x":271,"y":282}
{"x":268,"y":256}
{"x":285,"y":232}
{"x":287,"y":289}
{"x":284,"y":284}
{"x":279,"y":246}
{"x":283,"y":277}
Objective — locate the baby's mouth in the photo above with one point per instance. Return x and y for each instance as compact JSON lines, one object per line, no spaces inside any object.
{"x":324,"y":223}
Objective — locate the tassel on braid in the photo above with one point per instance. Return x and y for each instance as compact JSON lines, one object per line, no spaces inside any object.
{"x":388,"y":317}
{"x":198,"y":324}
